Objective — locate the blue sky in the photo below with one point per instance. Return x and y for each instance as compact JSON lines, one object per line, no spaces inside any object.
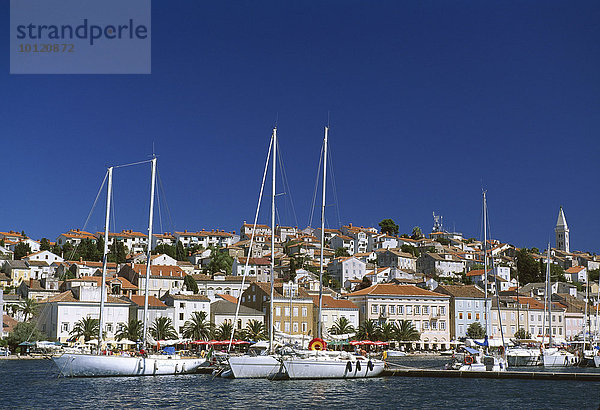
{"x":428,"y":101}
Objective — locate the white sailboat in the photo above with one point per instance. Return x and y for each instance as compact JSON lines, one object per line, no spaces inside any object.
{"x":324,"y":364}
{"x":552,"y":356}
{"x":253,"y":366}
{"x":90,"y":365}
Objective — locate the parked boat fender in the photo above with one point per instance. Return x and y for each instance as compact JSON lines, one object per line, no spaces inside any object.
{"x":370,"y":366}
{"x":155,"y":365}
{"x":183,"y":369}
{"x":349,"y":366}
{"x":358,"y":365}
{"x":176,"y":367}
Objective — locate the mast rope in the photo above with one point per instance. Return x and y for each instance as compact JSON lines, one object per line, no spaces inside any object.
{"x":314,"y":198}
{"x":262,"y":186}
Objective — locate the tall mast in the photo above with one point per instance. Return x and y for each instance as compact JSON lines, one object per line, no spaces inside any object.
{"x":149,"y":250}
{"x":585,"y":316}
{"x":485,"y":276}
{"x":320,"y":325}
{"x":274,"y":163}
{"x":105,"y":259}
{"x":549,"y":293}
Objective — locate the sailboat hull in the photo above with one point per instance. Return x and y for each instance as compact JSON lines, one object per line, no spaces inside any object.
{"x":301,"y":368}
{"x":254,"y":367}
{"x":559,"y":359}
{"x":86,"y":365}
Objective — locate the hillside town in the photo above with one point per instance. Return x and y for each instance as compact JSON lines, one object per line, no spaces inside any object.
{"x":374,"y":280}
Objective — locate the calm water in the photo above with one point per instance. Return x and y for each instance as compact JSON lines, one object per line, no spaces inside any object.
{"x":34,"y":384}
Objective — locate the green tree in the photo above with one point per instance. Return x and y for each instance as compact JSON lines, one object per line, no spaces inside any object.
{"x":443,"y":241}
{"x":341,"y":252}
{"x":23,"y":235}
{"x":166,"y":249}
{"x":24,"y":332}
{"x":130,"y":331}
{"x":56,"y":249}
{"x":29,"y":308}
{"x":406,"y":332}
{"x":368,"y":330}
{"x":197,"y":327}
{"x":342,"y":326}
{"x":190,"y":284}
{"x":87,"y":327}
{"x":594,"y":275}
{"x":410,"y":249}
{"x":416,"y":233}
{"x":388,"y":331}
{"x":219,"y":261}
{"x":522,"y":334}
{"x":529,"y":270}
{"x":223,"y":332}
{"x":118,"y":252}
{"x":44,"y":244}
{"x":68,"y":250}
{"x":475,"y":331}
{"x":365,"y":283}
{"x":180,"y":254}
{"x":388,"y":226}
{"x":255,"y":330}
{"x":22,"y":249}
{"x":162,"y":329}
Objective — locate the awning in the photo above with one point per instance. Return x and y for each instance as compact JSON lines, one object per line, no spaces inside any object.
{"x":471,"y":350}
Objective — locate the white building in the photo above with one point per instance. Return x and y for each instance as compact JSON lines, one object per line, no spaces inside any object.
{"x":184,"y":306}
{"x":333,"y":309}
{"x":346,"y":268}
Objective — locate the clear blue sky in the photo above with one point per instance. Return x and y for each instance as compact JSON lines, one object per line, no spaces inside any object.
{"x":429,"y":101}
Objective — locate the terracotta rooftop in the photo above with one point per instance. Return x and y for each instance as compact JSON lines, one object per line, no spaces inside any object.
{"x":331,"y":303}
{"x":152,"y":301}
{"x":395,"y":290}
{"x":461,"y":291}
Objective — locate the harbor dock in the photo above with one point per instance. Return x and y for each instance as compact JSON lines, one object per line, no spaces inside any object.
{"x":592,"y":377}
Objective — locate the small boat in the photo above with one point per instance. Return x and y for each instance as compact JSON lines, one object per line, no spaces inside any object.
{"x":392,"y":354}
{"x":473,"y":360}
{"x":554,"y":357}
{"x":523,"y":356}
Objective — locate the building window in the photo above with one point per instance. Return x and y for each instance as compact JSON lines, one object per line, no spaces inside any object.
{"x":392,"y":309}
{"x":277,"y":311}
{"x":295,"y":310}
{"x":295,"y":327}
{"x":409,"y":310}
{"x":181,"y":316}
{"x":469,"y":315}
{"x":304,"y":311}
{"x":304,"y":327}
{"x":374,"y":309}
{"x":433,"y":325}
{"x":286,"y":327}
{"x":426,"y":310}
{"x":277,"y":325}
{"x":109,"y":327}
{"x":286,"y":311}
{"x":382,"y":309}
{"x":560,"y":319}
{"x":442,"y":325}
{"x":400,"y":309}
{"x":425,"y":325}
{"x":476,"y":316}
{"x":65,"y":327}
{"x":460,"y":315}
{"x":442,"y":310}
{"x":417,"y":310}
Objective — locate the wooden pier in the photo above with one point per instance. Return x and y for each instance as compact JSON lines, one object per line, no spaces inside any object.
{"x":588,"y":377}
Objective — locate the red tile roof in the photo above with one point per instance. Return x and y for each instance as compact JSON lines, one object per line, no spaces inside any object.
{"x":395,"y":290}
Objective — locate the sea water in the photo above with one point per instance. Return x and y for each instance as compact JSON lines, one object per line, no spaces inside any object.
{"x":35,"y":384}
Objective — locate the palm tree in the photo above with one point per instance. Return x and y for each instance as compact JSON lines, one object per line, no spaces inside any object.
{"x":87,"y":327}
{"x":255,"y":330}
{"x":30,"y":308}
{"x":406,"y":331}
{"x":131,"y":331}
{"x":342,"y":326}
{"x":369,"y":329}
{"x":224,"y":331}
{"x":388,"y":331}
{"x":162,"y":329}
{"x":197,"y":327}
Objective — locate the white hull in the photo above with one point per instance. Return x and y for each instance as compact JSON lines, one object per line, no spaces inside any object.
{"x":87,"y":365}
{"x":254,"y":367}
{"x":559,"y":359}
{"x":523,"y":357}
{"x":315,"y":368}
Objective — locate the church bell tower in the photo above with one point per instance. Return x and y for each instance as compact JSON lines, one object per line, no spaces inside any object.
{"x":562,"y":232}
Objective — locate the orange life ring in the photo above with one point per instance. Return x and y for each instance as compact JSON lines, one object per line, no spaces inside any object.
{"x":468,"y":360}
{"x":317,"y":344}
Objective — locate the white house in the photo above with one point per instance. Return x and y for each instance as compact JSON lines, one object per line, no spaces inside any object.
{"x":342,"y":241}
{"x":184,"y":305}
{"x":59,"y":314}
{"x":346,"y":268}
{"x":45,"y":256}
{"x":577,"y":274}
{"x":333,"y":309}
